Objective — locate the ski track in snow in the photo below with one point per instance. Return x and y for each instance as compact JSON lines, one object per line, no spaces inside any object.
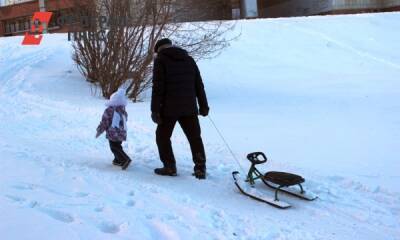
{"x":343,"y":45}
{"x":74,"y":183}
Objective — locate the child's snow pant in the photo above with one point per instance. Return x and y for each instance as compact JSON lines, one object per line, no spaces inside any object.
{"x":119,"y":154}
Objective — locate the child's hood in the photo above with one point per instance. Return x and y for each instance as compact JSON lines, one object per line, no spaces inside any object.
{"x":117,"y":99}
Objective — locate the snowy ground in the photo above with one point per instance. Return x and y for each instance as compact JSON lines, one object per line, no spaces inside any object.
{"x":320,"y":95}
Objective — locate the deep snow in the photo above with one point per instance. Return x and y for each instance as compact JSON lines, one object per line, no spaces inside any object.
{"x":319,"y":95}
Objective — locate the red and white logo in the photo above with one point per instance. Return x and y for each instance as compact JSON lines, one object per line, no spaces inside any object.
{"x":35,"y":36}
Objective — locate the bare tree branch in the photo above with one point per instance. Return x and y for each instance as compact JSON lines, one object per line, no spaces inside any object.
{"x":124,"y":55}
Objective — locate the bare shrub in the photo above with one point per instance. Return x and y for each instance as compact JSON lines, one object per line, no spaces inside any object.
{"x":118,"y":51}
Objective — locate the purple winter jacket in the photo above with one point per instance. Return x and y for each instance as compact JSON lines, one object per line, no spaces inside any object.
{"x":113,"y":134}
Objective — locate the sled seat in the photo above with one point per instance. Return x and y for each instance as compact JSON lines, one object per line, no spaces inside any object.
{"x":283,"y":179}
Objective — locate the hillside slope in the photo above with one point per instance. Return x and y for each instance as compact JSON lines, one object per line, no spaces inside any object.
{"x":320,"y":95}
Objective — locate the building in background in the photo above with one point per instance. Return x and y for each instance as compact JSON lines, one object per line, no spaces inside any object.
{"x":249,"y":9}
{"x":293,"y":8}
{"x":204,"y":10}
{"x":244,"y":9}
{"x":16,"y":15}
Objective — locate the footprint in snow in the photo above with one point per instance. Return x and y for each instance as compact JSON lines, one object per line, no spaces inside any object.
{"x":33,"y":204}
{"x":186,"y":199}
{"x":172,"y":217}
{"x":151,"y":188}
{"x":81,"y":194}
{"x":22,"y":201}
{"x":99,"y":209}
{"x":218,"y":219}
{"x":24,"y":187}
{"x":131,"y":193}
{"x":130,"y":203}
{"x":149,"y":216}
{"x":15,"y":199}
{"x":109,"y":227}
{"x":58,"y":215}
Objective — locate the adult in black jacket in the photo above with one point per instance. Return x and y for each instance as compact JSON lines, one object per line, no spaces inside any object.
{"x":177,"y":90}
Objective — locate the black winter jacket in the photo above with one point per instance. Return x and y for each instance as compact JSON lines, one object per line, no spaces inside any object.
{"x":177,"y":84}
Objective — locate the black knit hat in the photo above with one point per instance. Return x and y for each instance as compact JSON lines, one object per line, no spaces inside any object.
{"x":162,"y":42}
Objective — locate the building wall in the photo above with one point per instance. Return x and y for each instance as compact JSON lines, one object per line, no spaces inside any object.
{"x":357,"y":4}
{"x":204,"y":10}
{"x":14,"y":18}
{"x":1,"y":28}
{"x":286,"y":8}
{"x":249,"y":8}
{"x":235,"y":9}
{"x":392,"y":9}
{"x":394,"y":4}
{"x":291,"y":8}
{"x":18,"y":10}
{"x":10,"y":2}
{"x":17,"y":16}
{"x":188,"y":10}
{"x":366,"y":6}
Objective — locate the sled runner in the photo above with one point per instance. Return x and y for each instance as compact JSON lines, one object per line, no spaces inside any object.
{"x":255,"y":194}
{"x":279,"y":181}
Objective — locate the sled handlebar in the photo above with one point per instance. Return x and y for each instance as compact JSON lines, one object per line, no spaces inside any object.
{"x":257,"y":158}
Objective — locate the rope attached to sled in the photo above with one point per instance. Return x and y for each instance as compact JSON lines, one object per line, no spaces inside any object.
{"x":226,"y":143}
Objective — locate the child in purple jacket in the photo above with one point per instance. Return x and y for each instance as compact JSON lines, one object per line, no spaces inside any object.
{"x":114,"y":124}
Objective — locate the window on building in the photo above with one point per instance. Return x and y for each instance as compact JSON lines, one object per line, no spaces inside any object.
{"x":8,"y":28}
{"x":21,"y":25}
{"x":13,"y":27}
{"x":53,"y":20}
{"x":27,"y":24}
{"x":236,"y":13}
{"x":17,"y":25}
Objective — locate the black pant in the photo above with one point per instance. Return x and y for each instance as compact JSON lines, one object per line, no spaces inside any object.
{"x":191,"y":127}
{"x":119,"y":154}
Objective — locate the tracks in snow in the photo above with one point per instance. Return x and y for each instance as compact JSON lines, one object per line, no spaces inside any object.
{"x":343,"y":45}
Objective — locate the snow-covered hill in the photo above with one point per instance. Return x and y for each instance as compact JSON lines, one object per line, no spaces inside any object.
{"x":320,"y":95}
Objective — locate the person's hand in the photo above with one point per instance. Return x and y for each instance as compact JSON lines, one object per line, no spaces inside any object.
{"x":98,"y":135}
{"x":204,"y":111}
{"x":156,"y":117}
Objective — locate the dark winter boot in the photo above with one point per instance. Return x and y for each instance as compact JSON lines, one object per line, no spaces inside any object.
{"x":200,"y":172}
{"x":126,"y":164}
{"x":166,"y":171}
{"x":117,"y":163}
